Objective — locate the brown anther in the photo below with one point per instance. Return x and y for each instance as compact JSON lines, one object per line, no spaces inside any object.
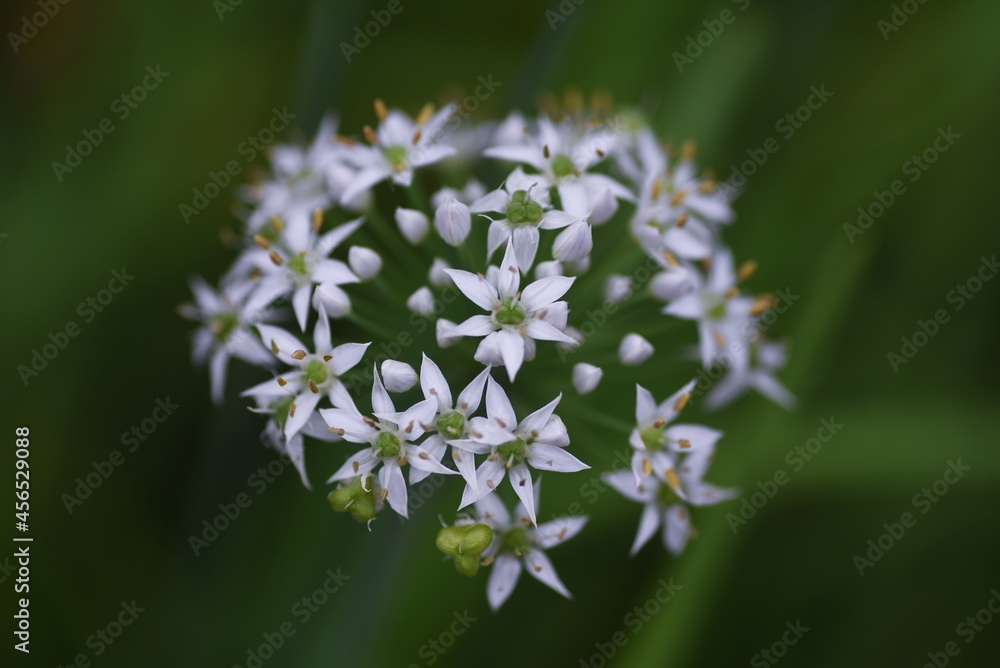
{"x":705,"y":187}
{"x":599,"y":152}
{"x":261,"y":241}
{"x":761,"y":304}
{"x":678,"y":197}
{"x":746,"y":270}
{"x":418,"y":133}
{"x":657,"y":188}
{"x":730,"y":293}
{"x":682,"y":220}
{"x":670,"y":259}
{"x":647,"y":467}
{"x":274,"y":347}
{"x":291,"y":410}
{"x":385,"y":495}
{"x":660,"y":422}
{"x":688,"y":150}
{"x":682,"y":402}
{"x":369,"y":134}
{"x":490,"y":484}
{"x":487,"y":561}
{"x":313,"y":387}
{"x":282,"y":382}
{"x":317,"y":219}
{"x":545,"y":152}
{"x":299,"y":355}
{"x":380,"y":111}
{"x":684,"y":443}
{"x":275,"y":258}
{"x":255,"y":274}
{"x":672,"y":479}
{"x":278,"y":225}
{"x":425,"y":114}
{"x":340,"y":432}
{"x":538,"y":569}
{"x":525,"y":521}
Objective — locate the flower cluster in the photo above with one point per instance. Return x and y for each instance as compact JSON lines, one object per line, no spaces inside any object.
{"x":505,"y":264}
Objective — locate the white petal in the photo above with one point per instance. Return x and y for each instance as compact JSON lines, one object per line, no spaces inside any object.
{"x":346,"y":356}
{"x":634,"y":350}
{"x":413,"y":224}
{"x":425,"y":461}
{"x":645,"y":405}
{"x":541,"y":330}
{"x":360,"y":463}
{"x":391,"y":478}
{"x":586,"y":377}
{"x":433,"y":383}
{"x":398,"y":376}
{"x":511,"y":350}
{"x":479,"y":291}
{"x":509,"y":278}
{"x":276,"y":337}
{"x":381,"y":403}
{"x":217,"y":373}
{"x":520,"y":480}
{"x":503,"y":578}
{"x":365,"y":262}
{"x":545,"y":291}
{"x":498,"y":405}
{"x":453,"y":221}
{"x":525,"y":241}
{"x":649,"y":522}
{"x":546,"y":457}
{"x":538,"y":419}
{"x":477,"y":325}
{"x":558,"y":531}
{"x":539,"y":567}
{"x":472,"y":395}
{"x":678,"y":528}
{"x":305,"y":403}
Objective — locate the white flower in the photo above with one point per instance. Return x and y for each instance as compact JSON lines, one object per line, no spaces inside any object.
{"x":538,"y":440}
{"x":671,"y":283}
{"x":452,"y":420}
{"x":397,"y":147}
{"x":365,"y":262}
{"x":398,"y":376}
{"x":515,"y":317}
{"x":390,"y":442}
{"x":664,"y":507}
{"x":297,"y":260}
{"x":563,"y":154}
{"x":524,"y":201}
{"x":444,"y":333}
{"x":617,"y":288}
{"x":421,"y":302}
{"x":293,"y":447}
{"x":574,"y":243}
{"x":634,"y":350}
{"x":437,"y":274}
{"x":517,"y":546}
{"x":472,"y":191}
{"x":226,"y":319}
{"x":413,"y":224}
{"x":453,"y":222}
{"x":586,"y":377}
{"x":317,"y":375}
{"x":550,"y":268}
{"x":722,"y":313}
{"x":766,"y":359}
{"x":656,"y":444}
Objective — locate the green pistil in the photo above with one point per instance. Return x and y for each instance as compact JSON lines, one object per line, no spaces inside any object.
{"x":718,"y":311}
{"x":562,"y":165}
{"x":652,"y":438}
{"x":522,"y":209}
{"x":316,"y":371}
{"x":511,"y":449}
{"x":451,"y":425}
{"x":223,"y":324}
{"x":298,"y":265}
{"x":387,"y":444}
{"x":516,"y":540}
{"x":396,"y":155}
{"x":510,"y":313}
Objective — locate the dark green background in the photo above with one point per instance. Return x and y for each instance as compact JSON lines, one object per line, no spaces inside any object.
{"x":793,"y":561}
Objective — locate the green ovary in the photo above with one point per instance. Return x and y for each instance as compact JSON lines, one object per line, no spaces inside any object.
{"x":511,"y":449}
{"x":451,"y":425}
{"x":223,"y":324}
{"x":316,"y":372}
{"x":387,"y":444}
{"x":562,"y":165}
{"x":510,"y":312}
{"x":522,"y":209}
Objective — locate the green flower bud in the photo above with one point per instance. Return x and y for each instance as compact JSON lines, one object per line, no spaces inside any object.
{"x":464,"y":544}
{"x":354,"y":499}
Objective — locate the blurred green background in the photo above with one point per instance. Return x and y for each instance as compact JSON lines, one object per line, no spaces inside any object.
{"x":793,"y":561}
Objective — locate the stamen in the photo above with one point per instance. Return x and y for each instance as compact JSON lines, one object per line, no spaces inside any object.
{"x":299,"y":354}
{"x":380,"y":111}
{"x":369,"y":134}
{"x":261,"y":241}
{"x":275,"y":258}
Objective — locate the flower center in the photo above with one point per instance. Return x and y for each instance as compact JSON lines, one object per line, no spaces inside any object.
{"x":562,"y":165}
{"x":223,"y":324}
{"x":652,"y":438}
{"x":522,"y":209}
{"x":396,"y":155}
{"x":451,"y":425}
{"x":299,"y":265}
{"x":387,"y":444}
{"x":512,"y":449}
{"x":716,"y":311}
{"x":667,"y":496}
{"x":316,"y":371}
{"x":510,"y":312}
{"x":516,"y":540}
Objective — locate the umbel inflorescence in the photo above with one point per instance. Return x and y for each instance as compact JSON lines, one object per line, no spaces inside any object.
{"x":530,"y":217}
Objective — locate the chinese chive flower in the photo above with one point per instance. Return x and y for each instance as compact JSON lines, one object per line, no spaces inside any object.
{"x":337,"y":247}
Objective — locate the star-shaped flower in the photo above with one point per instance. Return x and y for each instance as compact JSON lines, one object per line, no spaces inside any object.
{"x":391,"y":442}
{"x":514,"y":316}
